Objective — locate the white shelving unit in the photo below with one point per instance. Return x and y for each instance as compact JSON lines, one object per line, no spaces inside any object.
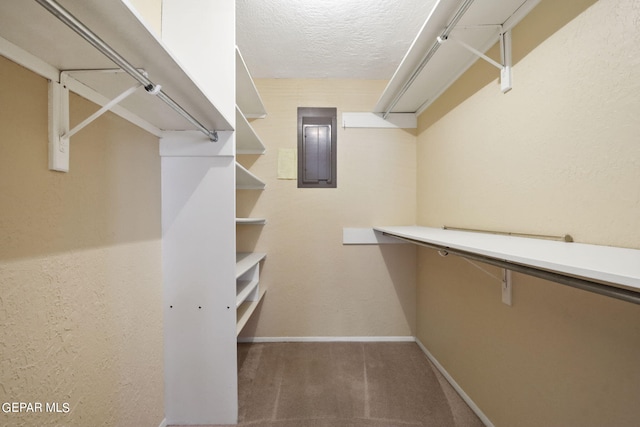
{"x":249,"y":292}
{"x":431,"y":66}
{"x":603,"y":268}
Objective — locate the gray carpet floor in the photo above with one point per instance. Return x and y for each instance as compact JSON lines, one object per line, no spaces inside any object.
{"x":345,"y":385}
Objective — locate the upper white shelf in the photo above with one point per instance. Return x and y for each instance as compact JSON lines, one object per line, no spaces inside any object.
{"x":33,"y":29}
{"x":619,"y":267}
{"x":247,"y":96}
{"x":247,"y":140}
{"x":479,"y":27}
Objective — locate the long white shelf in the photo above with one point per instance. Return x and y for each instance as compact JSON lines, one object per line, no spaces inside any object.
{"x":31,"y":28}
{"x":247,"y":140}
{"x":618,"y":267}
{"x":245,"y":180}
{"x":479,"y":27}
{"x":247,"y":96}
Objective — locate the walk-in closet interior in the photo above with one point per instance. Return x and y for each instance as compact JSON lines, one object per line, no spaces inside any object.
{"x":189,"y":237}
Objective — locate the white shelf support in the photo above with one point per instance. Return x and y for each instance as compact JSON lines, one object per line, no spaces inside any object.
{"x":505,"y":279}
{"x":59,"y":132}
{"x":58,"y":125}
{"x":505,"y":54}
{"x":101,"y":111}
{"x":506,"y":286}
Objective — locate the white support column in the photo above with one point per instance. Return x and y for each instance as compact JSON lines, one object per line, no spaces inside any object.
{"x":58,"y":125}
{"x":506,"y":286}
{"x":198,"y":222}
{"x":505,"y":53}
{"x":198,"y":258}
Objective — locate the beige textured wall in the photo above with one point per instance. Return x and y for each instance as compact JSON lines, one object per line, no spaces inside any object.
{"x":80,"y":266}
{"x":317,"y":286}
{"x":558,"y":154}
{"x":151,"y":12}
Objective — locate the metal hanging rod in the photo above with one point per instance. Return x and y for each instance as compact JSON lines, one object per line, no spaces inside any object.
{"x":425,"y":59}
{"x":154,"y":89}
{"x":574,"y":282}
{"x":564,"y":238}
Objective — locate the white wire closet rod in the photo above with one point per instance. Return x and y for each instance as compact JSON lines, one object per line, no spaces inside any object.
{"x":154,"y":89}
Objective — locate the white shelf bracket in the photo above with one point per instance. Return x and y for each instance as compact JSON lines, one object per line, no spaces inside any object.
{"x":59,"y":132}
{"x":58,"y":125}
{"x":505,"y":55}
{"x":506,"y":286}
{"x":505,"y":280}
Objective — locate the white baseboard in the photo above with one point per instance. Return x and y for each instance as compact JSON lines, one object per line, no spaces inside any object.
{"x":163,"y":423}
{"x":485,"y":420}
{"x":326,"y":339}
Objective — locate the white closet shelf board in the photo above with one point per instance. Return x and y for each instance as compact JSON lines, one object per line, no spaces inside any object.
{"x":245,"y":311}
{"x":246,"y":260}
{"x":245,"y":180}
{"x":247,"y":141}
{"x":479,"y":27}
{"x":619,"y":267}
{"x":247,"y":96}
{"x":251,"y":221}
{"x":33,"y":29}
{"x":244,"y":289}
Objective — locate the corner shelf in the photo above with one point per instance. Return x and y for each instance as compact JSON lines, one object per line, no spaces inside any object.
{"x":430,"y":67}
{"x":52,"y":47}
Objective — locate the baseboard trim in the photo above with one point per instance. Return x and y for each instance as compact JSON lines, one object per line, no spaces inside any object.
{"x":326,"y":339}
{"x":163,"y":423}
{"x":485,"y":420}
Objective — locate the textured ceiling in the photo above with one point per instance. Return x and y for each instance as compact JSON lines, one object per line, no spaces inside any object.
{"x":362,"y":39}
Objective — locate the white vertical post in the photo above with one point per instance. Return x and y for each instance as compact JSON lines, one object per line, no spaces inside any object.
{"x":506,"y":286}
{"x":198,"y":215}
{"x":505,"y":53}
{"x":58,"y":126}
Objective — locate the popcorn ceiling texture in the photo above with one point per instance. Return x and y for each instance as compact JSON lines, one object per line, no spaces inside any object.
{"x":327,"y":39}
{"x":80,"y":270}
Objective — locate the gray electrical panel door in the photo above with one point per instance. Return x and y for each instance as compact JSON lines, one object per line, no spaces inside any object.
{"x":317,"y":153}
{"x":316,"y":147}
